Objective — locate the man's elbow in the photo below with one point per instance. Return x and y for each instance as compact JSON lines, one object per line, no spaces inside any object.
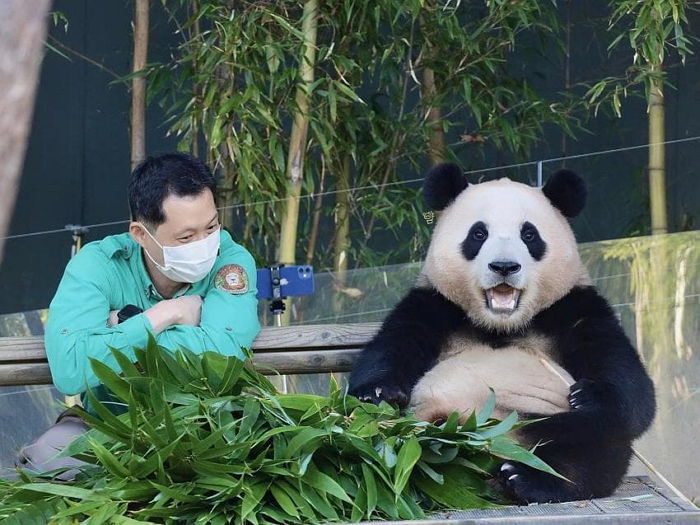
{"x":245,"y":339}
{"x":232,"y":343}
{"x":67,"y":376}
{"x":69,"y":384}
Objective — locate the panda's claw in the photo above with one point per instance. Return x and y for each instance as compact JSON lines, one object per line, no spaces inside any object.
{"x":526,"y":485}
{"x":376,"y":394}
{"x":585,"y":393}
{"x":507,"y":467}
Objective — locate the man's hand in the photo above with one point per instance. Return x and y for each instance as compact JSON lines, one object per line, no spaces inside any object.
{"x":113,"y":320}
{"x":185,"y":310}
{"x":189,"y":308}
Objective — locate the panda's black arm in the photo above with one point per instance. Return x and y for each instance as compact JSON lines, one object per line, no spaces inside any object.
{"x":616,"y":394}
{"x":406,"y":346}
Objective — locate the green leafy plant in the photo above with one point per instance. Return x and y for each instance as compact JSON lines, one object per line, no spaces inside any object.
{"x":230,"y":89}
{"x":206,"y":439}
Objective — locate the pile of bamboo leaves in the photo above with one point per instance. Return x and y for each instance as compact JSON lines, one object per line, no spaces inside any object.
{"x":208,"y":440}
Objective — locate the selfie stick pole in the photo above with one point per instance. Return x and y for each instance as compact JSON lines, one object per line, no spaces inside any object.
{"x":277,"y":305}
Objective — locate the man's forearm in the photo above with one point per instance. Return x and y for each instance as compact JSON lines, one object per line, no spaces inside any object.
{"x":162,"y":316}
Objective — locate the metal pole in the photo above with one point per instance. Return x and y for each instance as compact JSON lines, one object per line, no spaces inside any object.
{"x":539,"y":174}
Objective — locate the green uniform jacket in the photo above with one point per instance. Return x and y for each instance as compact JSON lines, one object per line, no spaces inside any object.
{"x":106,"y":275}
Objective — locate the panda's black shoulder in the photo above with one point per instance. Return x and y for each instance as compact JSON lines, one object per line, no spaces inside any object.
{"x":427,"y":306}
{"x":582,"y":302}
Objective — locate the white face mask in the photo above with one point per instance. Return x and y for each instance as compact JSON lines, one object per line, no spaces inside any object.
{"x":188,"y":263}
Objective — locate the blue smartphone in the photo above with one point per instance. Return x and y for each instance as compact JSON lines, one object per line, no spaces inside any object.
{"x":295,"y":281}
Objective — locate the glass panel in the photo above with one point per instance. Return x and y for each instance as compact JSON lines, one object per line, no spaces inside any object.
{"x":652,"y":283}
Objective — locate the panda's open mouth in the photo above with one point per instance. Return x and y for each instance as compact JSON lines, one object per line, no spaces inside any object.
{"x":502,"y":299}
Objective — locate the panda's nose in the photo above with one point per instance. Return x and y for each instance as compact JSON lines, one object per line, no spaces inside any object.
{"x":504,"y":268}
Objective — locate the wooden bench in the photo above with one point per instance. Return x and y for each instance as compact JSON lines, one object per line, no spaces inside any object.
{"x":288,"y":350}
{"x":332,"y":348}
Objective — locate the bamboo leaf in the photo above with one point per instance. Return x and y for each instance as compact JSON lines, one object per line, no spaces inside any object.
{"x":408,"y":456}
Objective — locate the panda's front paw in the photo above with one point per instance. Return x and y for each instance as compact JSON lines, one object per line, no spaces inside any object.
{"x":392,"y":394}
{"x":527,"y":485}
{"x":586,"y":394}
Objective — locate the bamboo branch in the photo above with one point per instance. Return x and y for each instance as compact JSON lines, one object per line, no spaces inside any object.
{"x":86,"y":58}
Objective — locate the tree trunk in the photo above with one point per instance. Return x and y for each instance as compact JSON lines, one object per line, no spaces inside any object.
{"x":657,"y":156}
{"x":22,"y":34}
{"x":138,"y":84}
{"x":297,"y":144}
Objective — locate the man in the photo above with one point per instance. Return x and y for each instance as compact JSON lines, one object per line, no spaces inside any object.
{"x":175,"y":274}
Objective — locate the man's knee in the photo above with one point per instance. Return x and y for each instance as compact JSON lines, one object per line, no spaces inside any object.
{"x":40,"y":455}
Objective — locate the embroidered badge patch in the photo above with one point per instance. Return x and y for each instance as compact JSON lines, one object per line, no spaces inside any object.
{"x":232,"y":278}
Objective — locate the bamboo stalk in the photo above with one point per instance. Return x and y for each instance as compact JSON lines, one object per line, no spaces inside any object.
{"x":436,"y":136}
{"x":297,"y":146}
{"x":196,"y":88}
{"x":657,"y":156}
{"x":138,"y":83}
{"x":316,"y":220}
{"x":341,"y":243}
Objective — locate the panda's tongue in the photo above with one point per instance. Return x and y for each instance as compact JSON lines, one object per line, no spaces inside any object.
{"x":503,"y":298}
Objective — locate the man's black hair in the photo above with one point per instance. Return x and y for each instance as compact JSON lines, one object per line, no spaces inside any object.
{"x":159,"y":176}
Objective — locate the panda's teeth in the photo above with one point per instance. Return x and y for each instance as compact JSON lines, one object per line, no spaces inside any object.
{"x":502,"y":298}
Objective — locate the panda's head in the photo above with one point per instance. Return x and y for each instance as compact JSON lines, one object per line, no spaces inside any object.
{"x":502,"y":250}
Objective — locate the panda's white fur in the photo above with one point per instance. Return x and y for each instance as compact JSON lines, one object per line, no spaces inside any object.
{"x":465,"y":376}
{"x":503,"y":205}
{"x":468,"y":370}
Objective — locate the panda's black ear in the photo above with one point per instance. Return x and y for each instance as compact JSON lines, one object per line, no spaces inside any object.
{"x":567,"y":192}
{"x":442,"y":185}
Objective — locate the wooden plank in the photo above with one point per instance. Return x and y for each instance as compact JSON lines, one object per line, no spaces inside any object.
{"x":315,"y":336}
{"x":638,"y":500}
{"x":300,"y":362}
{"x":287,"y":338}
{"x":307,"y":362}
{"x":25,"y":374}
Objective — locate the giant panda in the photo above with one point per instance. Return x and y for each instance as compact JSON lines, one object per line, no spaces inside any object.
{"x":504,"y":302}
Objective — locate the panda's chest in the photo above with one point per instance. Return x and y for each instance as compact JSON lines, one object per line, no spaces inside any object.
{"x":532,"y":344}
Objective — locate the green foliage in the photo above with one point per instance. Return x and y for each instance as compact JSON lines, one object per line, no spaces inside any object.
{"x":208,"y":440}
{"x":232,"y":82}
{"x":652,"y":28}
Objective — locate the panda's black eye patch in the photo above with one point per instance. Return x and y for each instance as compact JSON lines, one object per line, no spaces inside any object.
{"x":531,"y":237}
{"x":478,"y":233}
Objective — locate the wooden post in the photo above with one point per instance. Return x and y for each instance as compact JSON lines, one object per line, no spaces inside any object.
{"x":138,"y":84}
